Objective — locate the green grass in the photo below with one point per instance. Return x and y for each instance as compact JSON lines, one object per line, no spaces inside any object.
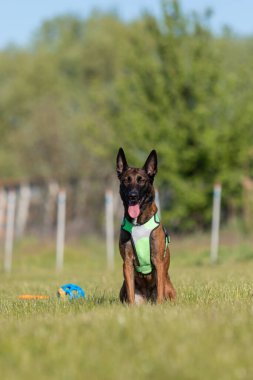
{"x":205,"y":334}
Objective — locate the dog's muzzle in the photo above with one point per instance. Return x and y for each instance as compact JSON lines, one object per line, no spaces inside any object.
{"x":133,"y":197}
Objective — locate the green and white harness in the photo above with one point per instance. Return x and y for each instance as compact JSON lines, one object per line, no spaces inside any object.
{"x":140,"y":238}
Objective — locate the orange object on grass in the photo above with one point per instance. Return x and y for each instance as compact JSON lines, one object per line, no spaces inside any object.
{"x":32,"y":297}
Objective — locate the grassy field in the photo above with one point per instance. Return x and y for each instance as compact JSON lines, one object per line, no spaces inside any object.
{"x":205,"y":334}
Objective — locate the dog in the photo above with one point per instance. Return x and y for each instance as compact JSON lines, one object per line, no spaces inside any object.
{"x":143,"y":240}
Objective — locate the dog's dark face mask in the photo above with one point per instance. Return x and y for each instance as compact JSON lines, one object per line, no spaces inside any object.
{"x":136,"y":185}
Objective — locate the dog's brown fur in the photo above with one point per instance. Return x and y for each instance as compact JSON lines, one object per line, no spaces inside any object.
{"x":156,"y":286}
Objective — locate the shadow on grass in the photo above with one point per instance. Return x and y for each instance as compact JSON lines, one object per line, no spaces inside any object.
{"x":103,"y":299}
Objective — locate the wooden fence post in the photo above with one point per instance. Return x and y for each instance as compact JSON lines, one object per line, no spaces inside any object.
{"x":215,"y":223}
{"x":157,"y":201}
{"x":10,"y":221}
{"x":60,"y":237}
{"x":109,"y":228}
{"x":23,"y":209}
{"x":2,"y":212}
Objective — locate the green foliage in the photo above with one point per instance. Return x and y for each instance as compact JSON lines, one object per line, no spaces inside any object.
{"x":86,"y":87}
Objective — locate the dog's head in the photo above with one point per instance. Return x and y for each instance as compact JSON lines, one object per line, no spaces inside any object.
{"x":136,"y":184}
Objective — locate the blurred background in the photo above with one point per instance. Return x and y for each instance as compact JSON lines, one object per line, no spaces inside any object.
{"x":80,"y":79}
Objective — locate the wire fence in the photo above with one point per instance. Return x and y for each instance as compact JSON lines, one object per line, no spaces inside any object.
{"x":36,"y":208}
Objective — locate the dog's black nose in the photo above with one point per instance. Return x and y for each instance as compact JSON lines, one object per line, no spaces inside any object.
{"x":133,"y":196}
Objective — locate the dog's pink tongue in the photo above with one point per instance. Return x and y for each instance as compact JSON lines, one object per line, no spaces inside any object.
{"x":134,"y":211}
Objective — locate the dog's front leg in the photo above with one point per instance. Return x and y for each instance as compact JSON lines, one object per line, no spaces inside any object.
{"x":160,"y":283}
{"x":157,"y":254}
{"x":128,"y":271}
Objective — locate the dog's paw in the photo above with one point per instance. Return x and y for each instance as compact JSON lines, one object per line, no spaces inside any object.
{"x":139,"y":299}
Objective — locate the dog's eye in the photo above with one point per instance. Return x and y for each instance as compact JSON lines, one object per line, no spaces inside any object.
{"x":127,"y":180}
{"x":140,"y":180}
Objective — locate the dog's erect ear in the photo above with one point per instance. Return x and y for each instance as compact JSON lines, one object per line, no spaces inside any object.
{"x":150,"y":165}
{"x":121,"y":162}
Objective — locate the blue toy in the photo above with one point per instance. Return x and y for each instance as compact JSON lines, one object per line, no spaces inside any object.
{"x":71,"y":291}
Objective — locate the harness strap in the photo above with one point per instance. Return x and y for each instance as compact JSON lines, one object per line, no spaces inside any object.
{"x":167,"y":240}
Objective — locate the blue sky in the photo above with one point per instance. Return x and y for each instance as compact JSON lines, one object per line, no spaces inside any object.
{"x":20,"y":18}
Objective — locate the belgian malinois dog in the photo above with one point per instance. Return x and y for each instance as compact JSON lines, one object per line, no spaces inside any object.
{"x":143,"y":240}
